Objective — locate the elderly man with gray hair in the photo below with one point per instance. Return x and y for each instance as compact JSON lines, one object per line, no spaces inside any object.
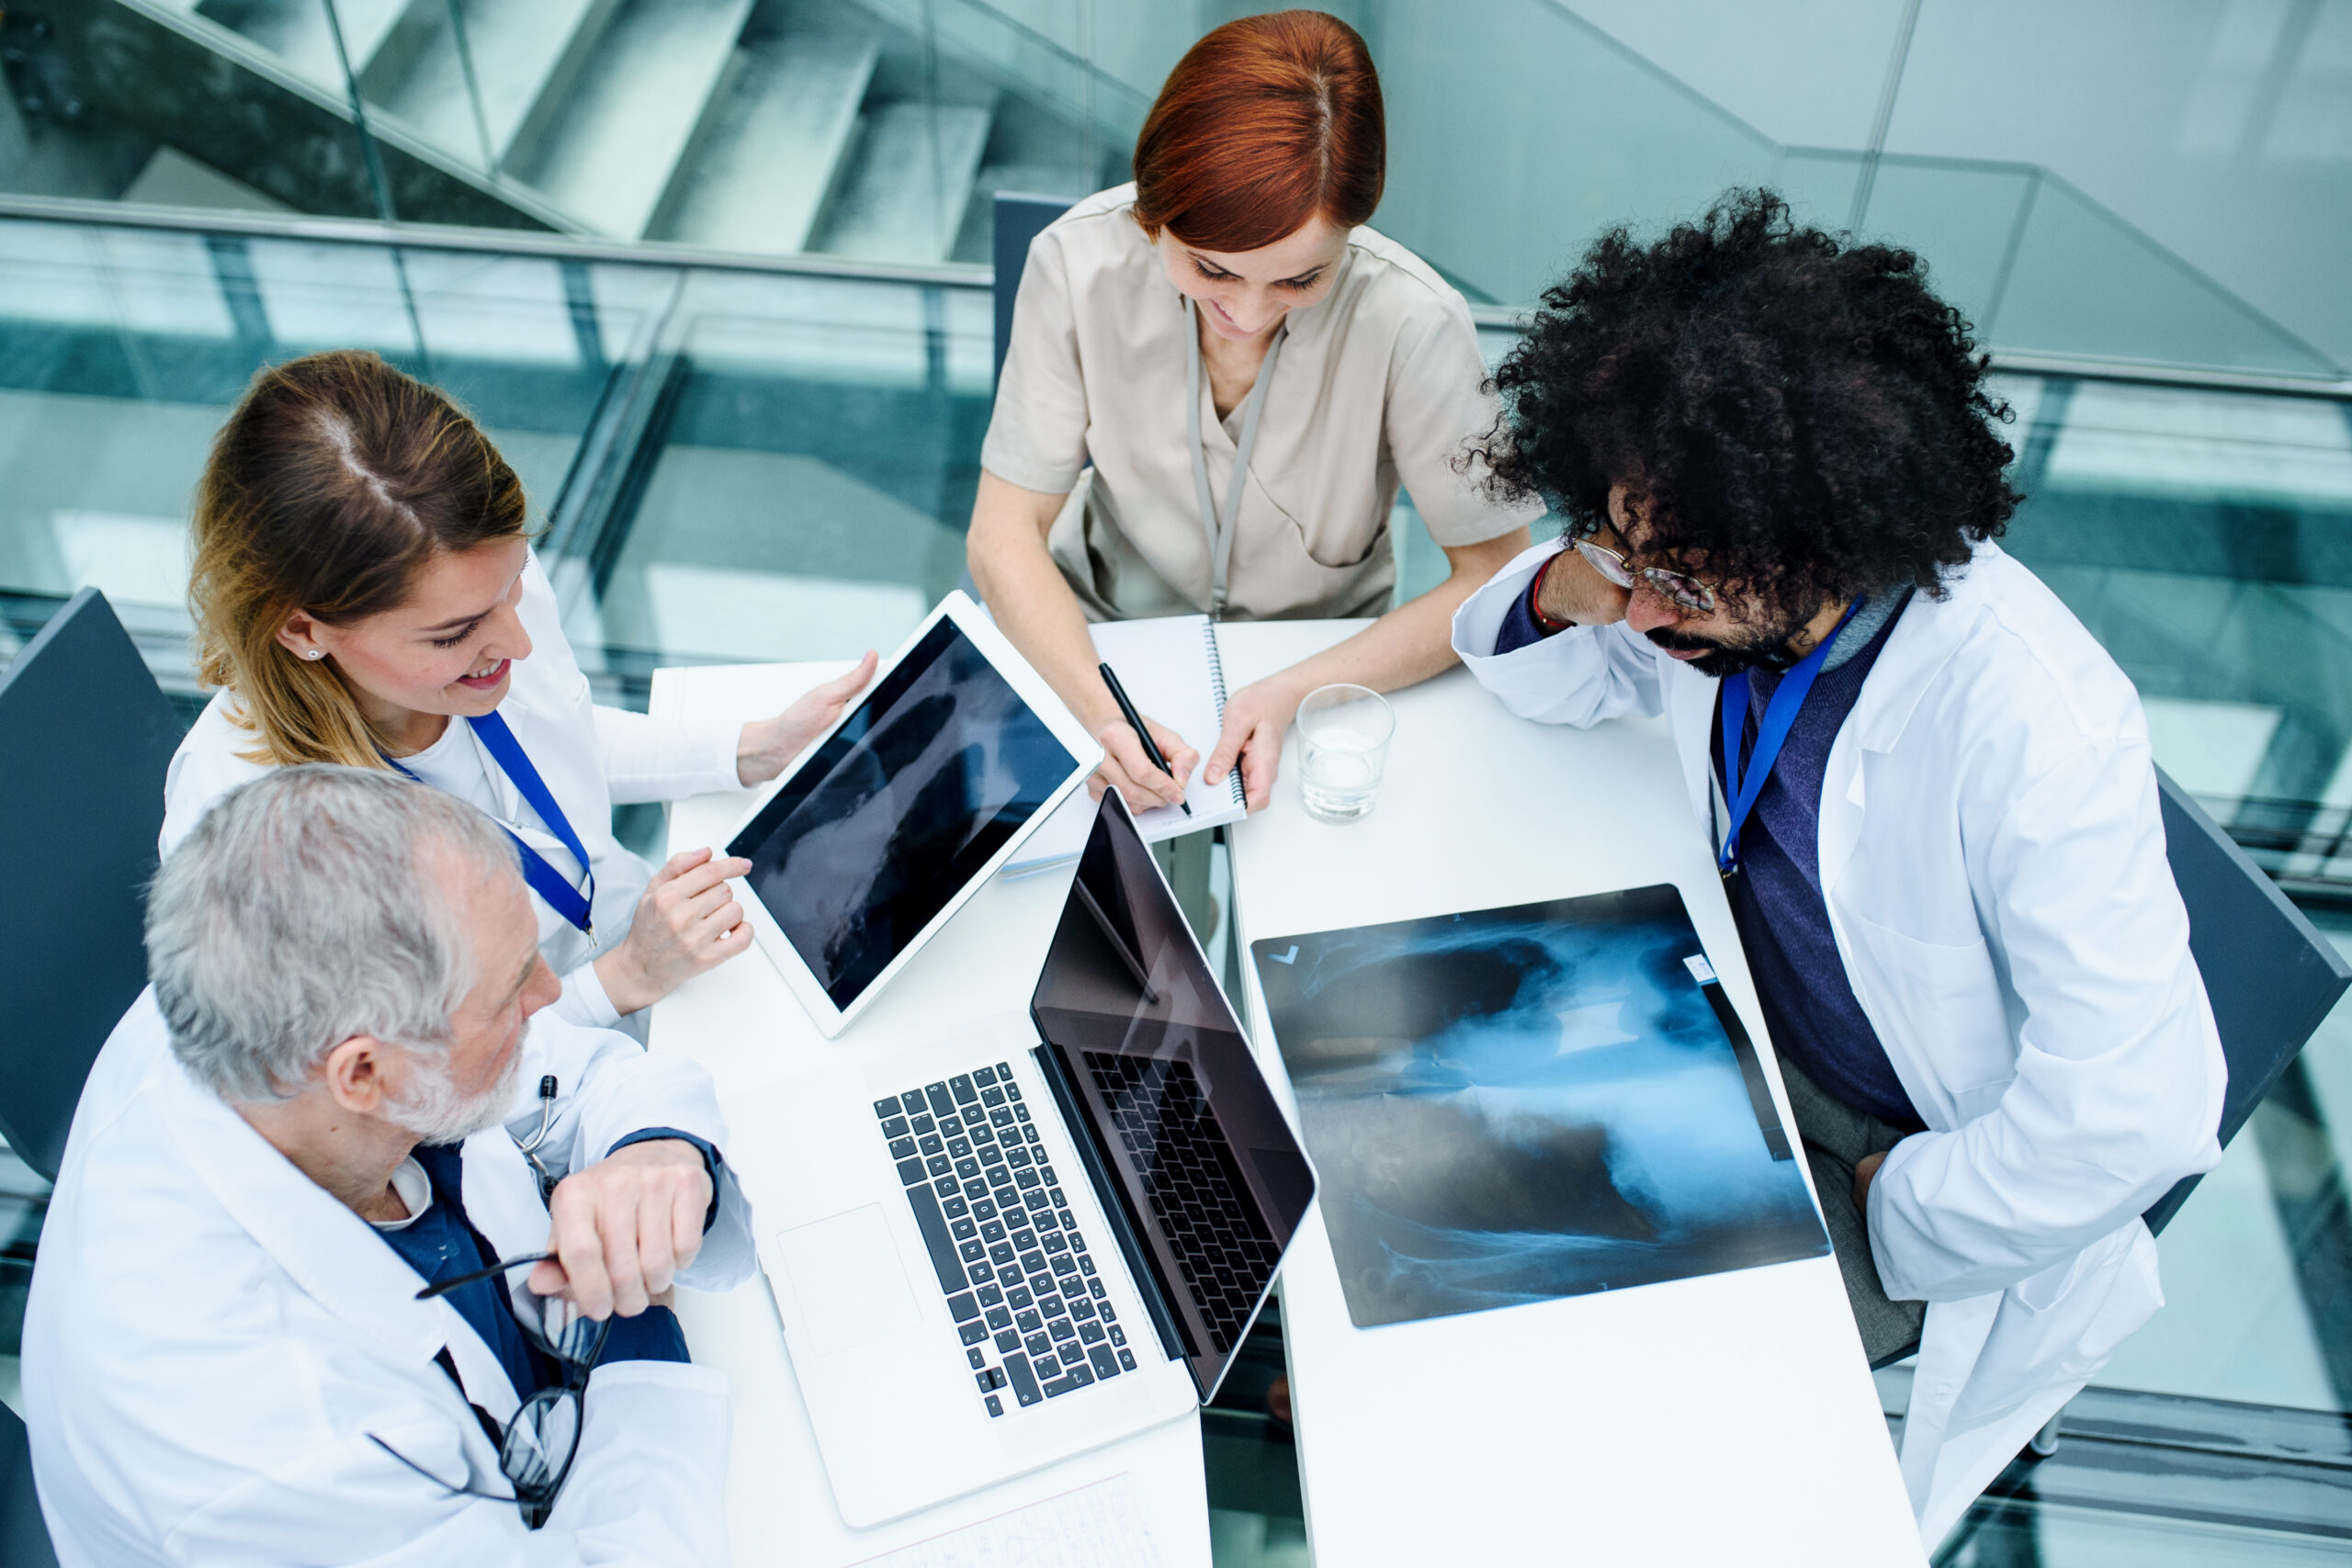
{"x":325,"y":1280}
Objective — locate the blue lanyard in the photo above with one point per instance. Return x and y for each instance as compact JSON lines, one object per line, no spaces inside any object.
{"x":1740,"y":790}
{"x":549,"y":884}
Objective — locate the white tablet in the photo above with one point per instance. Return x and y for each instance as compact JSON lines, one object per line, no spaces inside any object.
{"x":957,"y":752}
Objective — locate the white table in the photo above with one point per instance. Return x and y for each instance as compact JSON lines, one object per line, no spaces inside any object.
{"x":1727,"y":1418}
{"x":742,"y":1024}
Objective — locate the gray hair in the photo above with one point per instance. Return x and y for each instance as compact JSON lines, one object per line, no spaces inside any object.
{"x":305,"y":910}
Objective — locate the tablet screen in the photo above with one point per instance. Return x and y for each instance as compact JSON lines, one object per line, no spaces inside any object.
{"x":899,"y":809}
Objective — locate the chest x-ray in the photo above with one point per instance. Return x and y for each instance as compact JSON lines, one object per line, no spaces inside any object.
{"x":1518,"y":1104}
{"x":940,"y":765}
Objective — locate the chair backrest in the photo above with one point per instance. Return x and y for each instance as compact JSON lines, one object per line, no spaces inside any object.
{"x":84,"y":737}
{"x":2270,"y":975}
{"x":1018,"y":220}
{"x":24,"y":1537}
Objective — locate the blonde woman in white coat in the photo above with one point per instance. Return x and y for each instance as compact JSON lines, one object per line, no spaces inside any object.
{"x":365,"y":594}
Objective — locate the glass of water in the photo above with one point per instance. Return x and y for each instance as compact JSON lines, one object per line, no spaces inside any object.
{"x":1343,"y":733}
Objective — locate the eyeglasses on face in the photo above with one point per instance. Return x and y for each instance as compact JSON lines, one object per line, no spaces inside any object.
{"x":1684,"y":590}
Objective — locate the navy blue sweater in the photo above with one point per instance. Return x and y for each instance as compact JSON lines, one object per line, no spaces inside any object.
{"x":1776,"y":899}
{"x":441,"y":1243}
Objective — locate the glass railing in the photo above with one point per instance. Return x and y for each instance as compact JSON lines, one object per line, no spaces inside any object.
{"x":774,"y":461}
{"x":2206,"y":538}
{"x":1519,"y":132}
{"x":2041,"y":268}
{"x":877,"y":128}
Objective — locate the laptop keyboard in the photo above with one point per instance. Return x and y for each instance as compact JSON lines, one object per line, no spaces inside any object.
{"x":1196,"y":1186}
{"x":1034,"y":1319}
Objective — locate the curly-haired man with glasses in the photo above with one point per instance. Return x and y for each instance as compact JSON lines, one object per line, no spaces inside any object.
{"x":1929,"y":790}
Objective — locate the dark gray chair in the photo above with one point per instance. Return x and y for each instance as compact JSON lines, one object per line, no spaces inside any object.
{"x":84,"y":737}
{"x":2270,"y":973}
{"x":24,"y":1537}
{"x":1018,"y":220}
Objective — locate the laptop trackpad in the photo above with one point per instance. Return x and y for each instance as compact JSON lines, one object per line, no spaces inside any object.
{"x":847,"y":1275}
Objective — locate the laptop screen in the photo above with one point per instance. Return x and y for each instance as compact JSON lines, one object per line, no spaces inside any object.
{"x":939,"y":765}
{"x":1168,"y":1095}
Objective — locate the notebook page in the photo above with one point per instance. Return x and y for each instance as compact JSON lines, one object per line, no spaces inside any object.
{"x":1171,"y":672}
{"x":1170,"y":668}
{"x":1102,"y":1526}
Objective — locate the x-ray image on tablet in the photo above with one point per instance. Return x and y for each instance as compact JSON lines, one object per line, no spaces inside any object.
{"x":894,"y":817}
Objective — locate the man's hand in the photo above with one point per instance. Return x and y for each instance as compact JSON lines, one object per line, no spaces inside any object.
{"x":1865,"y":1168}
{"x":624,"y":1226}
{"x":1256,"y":718}
{"x":768,"y":745}
{"x":1573,"y":590}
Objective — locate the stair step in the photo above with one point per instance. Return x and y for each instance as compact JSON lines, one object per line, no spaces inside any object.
{"x":774,"y":144}
{"x":1071,"y":181}
{"x":524,"y":52}
{"x":172,"y":178}
{"x":296,"y":32}
{"x":899,"y":202}
{"x":610,"y":147}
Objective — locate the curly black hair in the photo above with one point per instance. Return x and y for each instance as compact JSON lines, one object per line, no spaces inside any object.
{"x":1800,"y":417}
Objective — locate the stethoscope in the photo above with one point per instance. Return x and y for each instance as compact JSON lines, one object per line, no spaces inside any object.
{"x":530,"y":1145}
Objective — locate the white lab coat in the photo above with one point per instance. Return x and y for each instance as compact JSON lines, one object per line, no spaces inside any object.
{"x":593,"y":758}
{"x":212,"y":1339}
{"x":1993,"y":861}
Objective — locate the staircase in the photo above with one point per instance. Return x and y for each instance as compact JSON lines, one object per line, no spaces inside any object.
{"x":776,"y":126}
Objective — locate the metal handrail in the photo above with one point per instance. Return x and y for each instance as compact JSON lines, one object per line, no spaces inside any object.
{"x":2077,"y":367}
{"x":498,"y":242}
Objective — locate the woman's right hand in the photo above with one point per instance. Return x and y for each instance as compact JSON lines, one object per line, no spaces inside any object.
{"x":1125,"y":768}
{"x":686,"y":922}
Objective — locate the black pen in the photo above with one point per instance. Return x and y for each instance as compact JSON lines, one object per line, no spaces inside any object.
{"x":1135,"y":722}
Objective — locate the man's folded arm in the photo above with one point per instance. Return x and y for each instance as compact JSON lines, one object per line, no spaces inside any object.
{"x":1579,"y":676}
{"x":610,"y":1089}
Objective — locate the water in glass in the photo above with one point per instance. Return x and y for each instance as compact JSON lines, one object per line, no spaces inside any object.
{"x":1343,"y":733}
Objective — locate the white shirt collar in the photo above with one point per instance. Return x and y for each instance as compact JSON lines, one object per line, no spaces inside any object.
{"x":416,"y":1190}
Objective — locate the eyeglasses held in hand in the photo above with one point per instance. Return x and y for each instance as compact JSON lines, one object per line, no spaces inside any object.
{"x":536,"y":1452}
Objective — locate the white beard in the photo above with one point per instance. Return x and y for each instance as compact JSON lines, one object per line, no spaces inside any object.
{"x":433,"y":1110}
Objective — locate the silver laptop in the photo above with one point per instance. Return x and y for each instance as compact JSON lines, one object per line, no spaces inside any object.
{"x":1035,"y":1234}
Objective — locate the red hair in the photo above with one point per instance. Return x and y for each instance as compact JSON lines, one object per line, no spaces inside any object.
{"x":1265,"y":124}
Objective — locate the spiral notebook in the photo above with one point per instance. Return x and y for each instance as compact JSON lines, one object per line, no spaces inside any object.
{"x":1171,"y":672}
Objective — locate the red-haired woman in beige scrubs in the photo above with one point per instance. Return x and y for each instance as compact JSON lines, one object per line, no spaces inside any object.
{"x":1230,"y":309}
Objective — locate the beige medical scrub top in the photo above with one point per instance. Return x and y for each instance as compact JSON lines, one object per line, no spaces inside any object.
{"x":1378,"y":383}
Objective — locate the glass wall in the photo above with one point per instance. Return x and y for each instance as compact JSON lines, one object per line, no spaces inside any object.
{"x":878,"y":128}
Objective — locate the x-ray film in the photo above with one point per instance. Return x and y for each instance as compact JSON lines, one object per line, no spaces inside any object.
{"x":1514,"y":1105}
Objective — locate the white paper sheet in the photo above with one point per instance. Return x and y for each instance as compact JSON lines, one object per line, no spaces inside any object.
{"x":1102,"y":1526}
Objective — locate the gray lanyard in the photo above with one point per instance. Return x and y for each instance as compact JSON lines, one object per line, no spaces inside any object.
{"x":1220,"y":527}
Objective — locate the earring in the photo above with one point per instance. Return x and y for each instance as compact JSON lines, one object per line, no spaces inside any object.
{"x":314,"y":653}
